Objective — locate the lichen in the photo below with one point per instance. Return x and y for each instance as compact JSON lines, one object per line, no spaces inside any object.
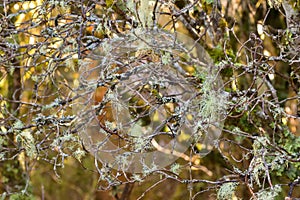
{"x":226,"y":191}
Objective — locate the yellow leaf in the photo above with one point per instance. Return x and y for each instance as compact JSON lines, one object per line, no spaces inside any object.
{"x":109,"y":3}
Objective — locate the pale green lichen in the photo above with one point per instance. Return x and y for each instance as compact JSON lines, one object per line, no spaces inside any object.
{"x":213,"y":103}
{"x":269,"y":194}
{"x":145,"y":13}
{"x":18,"y":124}
{"x":149,"y":169}
{"x":175,"y":168}
{"x":166,"y":58}
{"x":137,"y":178}
{"x":79,"y":154}
{"x":226,"y":191}
{"x":27,"y":141}
{"x":123,"y":161}
{"x":140,"y":144}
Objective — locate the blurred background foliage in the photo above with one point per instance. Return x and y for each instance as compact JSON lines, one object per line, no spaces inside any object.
{"x":254,"y":45}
